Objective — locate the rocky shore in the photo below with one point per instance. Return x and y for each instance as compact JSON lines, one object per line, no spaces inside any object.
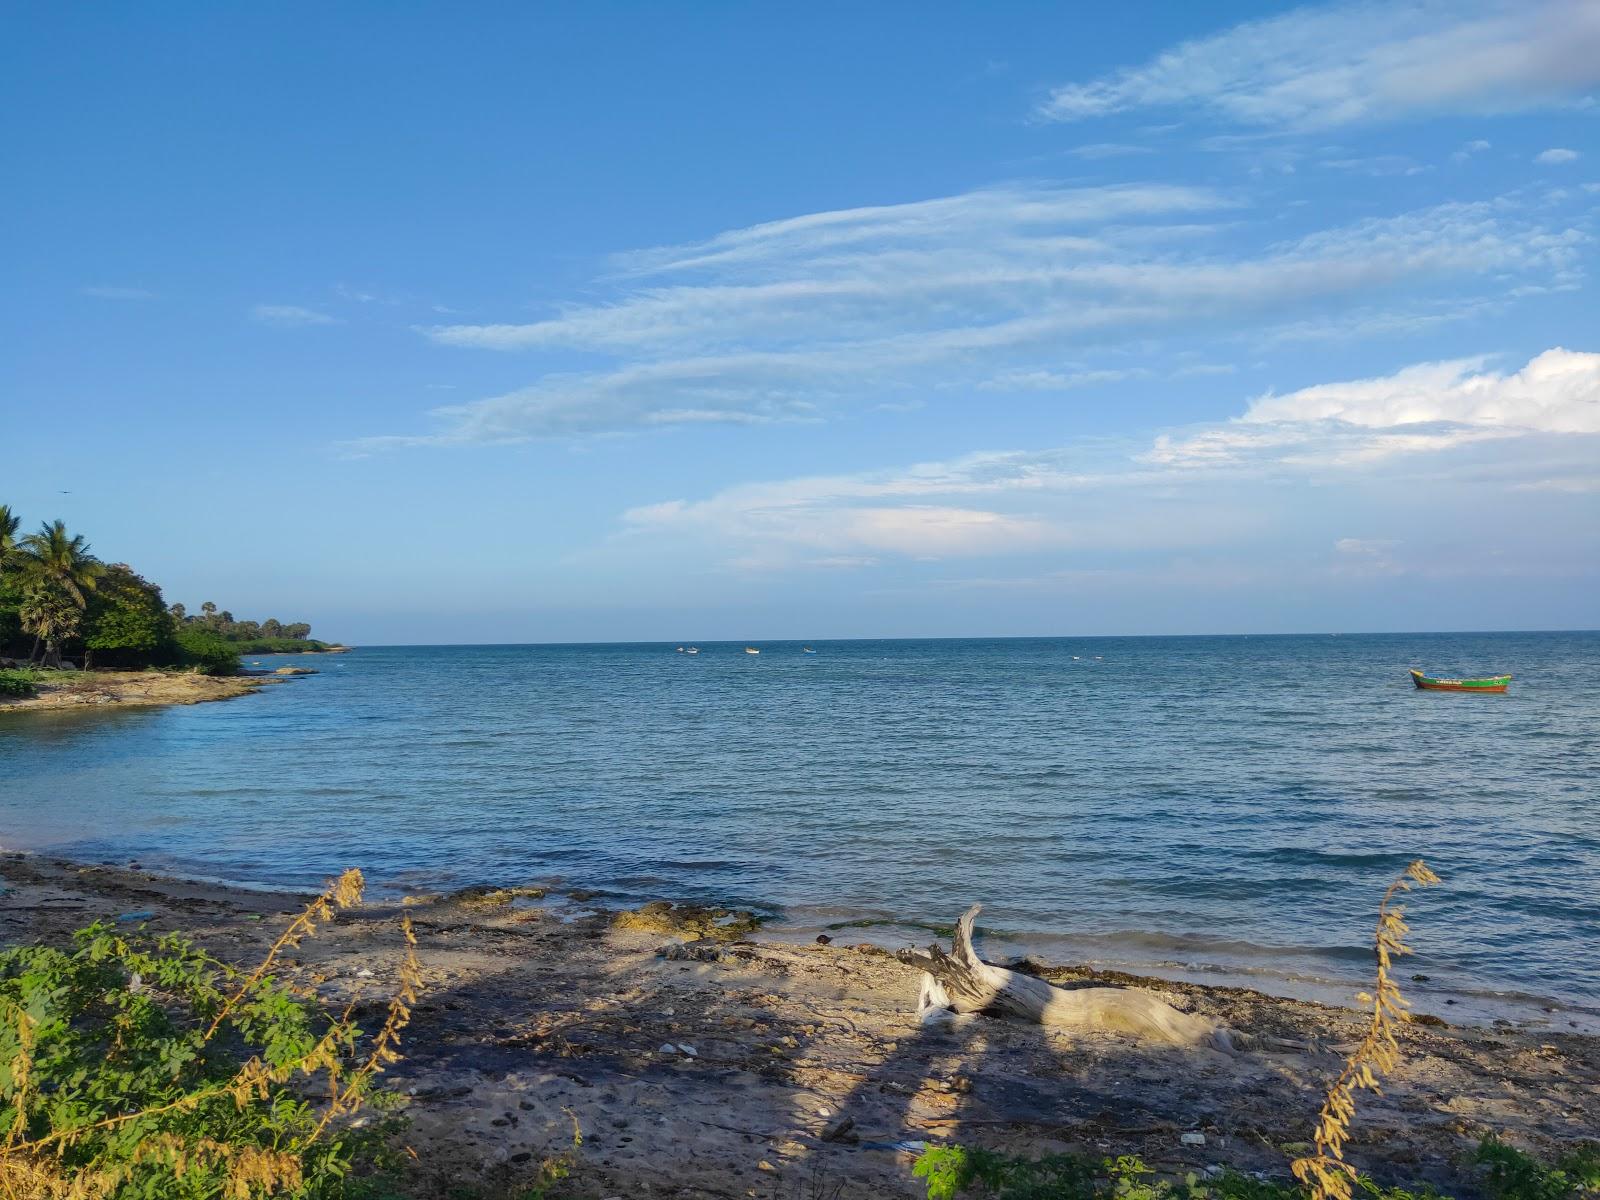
{"x":78,"y":689}
{"x":699,"y":1058}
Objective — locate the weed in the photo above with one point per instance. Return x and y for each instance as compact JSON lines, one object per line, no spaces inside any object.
{"x":1514,"y":1175}
{"x":1325,"y":1172}
{"x":142,"y":1066}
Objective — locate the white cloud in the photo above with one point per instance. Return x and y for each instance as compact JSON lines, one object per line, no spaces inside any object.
{"x":1439,"y":422}
{"x":102,"y":291}
{"x":799,"y":319}
{"x":1430,"y":406}
{"x":1556,"y":156}
{"x":1328,"y":66}
{"x":289,"y":315}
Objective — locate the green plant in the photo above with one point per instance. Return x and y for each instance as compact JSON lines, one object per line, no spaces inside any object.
{"x":206,"y":652}
{"x":18,"y":682}
{"x":126,"y":622}
{"x":143,"y":1067}
{"x":953,"y":1170}
{"x":1515,"y":1175}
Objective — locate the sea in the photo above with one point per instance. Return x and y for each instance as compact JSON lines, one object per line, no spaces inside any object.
{"x":1223,"y":809}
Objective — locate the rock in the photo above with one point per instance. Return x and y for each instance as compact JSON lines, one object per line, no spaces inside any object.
{"x":840,"y":1131}
{"x":667,"y":1048}
{"x":481,"y":896}
{"x":699,"y":950}
{"x":661,"y":916}
{"x":687,"y":1049}
{"x":294,"y":671}
{"x":823,"y":939}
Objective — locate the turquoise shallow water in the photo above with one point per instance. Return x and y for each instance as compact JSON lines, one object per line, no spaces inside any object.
{"x":1199,"y":805}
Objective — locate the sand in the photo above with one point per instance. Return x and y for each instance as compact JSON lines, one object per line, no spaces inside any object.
{"x":722,"y":1075}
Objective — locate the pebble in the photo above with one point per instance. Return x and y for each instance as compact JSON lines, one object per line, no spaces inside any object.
{"x":687,"y":1049}
{"x":668,"y":1048}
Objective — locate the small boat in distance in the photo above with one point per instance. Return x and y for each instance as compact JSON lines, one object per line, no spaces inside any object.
{"x":691,"y":650}
{"x":807,"y":650}
{"x":1493,"y":685}
{"x":751,"y":650}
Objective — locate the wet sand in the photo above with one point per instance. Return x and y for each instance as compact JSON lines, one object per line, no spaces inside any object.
{"x":726,"y":1069}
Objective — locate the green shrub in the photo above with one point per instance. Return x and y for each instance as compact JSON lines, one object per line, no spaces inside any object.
{"x":951,"y":1171}
{"x":276,"y":645}
{"x":143,"y":1067}
{"x":206,"y":652}
{"x":1514,"y":1175}
{"x":18,"y":682}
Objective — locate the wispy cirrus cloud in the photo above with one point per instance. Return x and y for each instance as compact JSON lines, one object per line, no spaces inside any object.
{"x":290,"y":315}
{"x":1320,"y":67}
{"x":1202,"y":487}
{"x":803,"y":318}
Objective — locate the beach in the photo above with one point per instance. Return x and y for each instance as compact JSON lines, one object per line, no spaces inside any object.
{"x":755,"y":1067}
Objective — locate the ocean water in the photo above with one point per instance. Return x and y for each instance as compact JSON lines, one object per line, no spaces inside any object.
{"x":1211,"y":807}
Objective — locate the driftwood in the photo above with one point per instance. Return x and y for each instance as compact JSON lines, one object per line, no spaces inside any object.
{"x":964,"y":982}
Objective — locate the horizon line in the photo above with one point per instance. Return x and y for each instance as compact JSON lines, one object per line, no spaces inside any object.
{"x":1010,"y":637}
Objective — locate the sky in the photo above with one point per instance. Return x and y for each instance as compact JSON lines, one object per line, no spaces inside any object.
{"x":597,"y":321}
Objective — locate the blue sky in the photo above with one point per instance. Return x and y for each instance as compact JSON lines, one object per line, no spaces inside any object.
{"x":605,"y":321}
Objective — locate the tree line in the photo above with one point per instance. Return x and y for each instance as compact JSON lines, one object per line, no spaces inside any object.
{"x":58,"y":602}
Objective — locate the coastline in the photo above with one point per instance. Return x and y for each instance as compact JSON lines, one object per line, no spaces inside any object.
{"x":721,"y":1068}
{"x":133,"y":689}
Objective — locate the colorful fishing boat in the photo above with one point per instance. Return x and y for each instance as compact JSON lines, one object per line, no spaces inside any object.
{"x":1493,"y":685}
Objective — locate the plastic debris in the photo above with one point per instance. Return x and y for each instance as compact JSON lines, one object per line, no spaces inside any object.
{"x":141,"y":915}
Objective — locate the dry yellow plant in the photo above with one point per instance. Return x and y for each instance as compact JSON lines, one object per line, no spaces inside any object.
{"x":1325,"y":1172}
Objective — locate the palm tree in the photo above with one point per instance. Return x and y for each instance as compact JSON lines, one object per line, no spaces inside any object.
{"x":8,"y":536}
{"x":57,"y":572}
{"x":50,"y":614}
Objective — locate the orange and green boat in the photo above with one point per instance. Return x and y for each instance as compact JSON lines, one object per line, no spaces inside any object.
{"x":1494,"y":685}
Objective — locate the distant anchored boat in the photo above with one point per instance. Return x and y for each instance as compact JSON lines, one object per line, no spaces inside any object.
{"x":691,"y":650}
{"x":751,"y":650}
{"x":807,"y":650}
{"x":1493,"y":685}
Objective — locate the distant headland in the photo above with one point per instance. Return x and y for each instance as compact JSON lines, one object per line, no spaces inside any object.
{"x":75,"y":630}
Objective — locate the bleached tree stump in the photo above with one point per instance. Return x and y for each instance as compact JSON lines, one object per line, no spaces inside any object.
{"x":962,"y":981}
